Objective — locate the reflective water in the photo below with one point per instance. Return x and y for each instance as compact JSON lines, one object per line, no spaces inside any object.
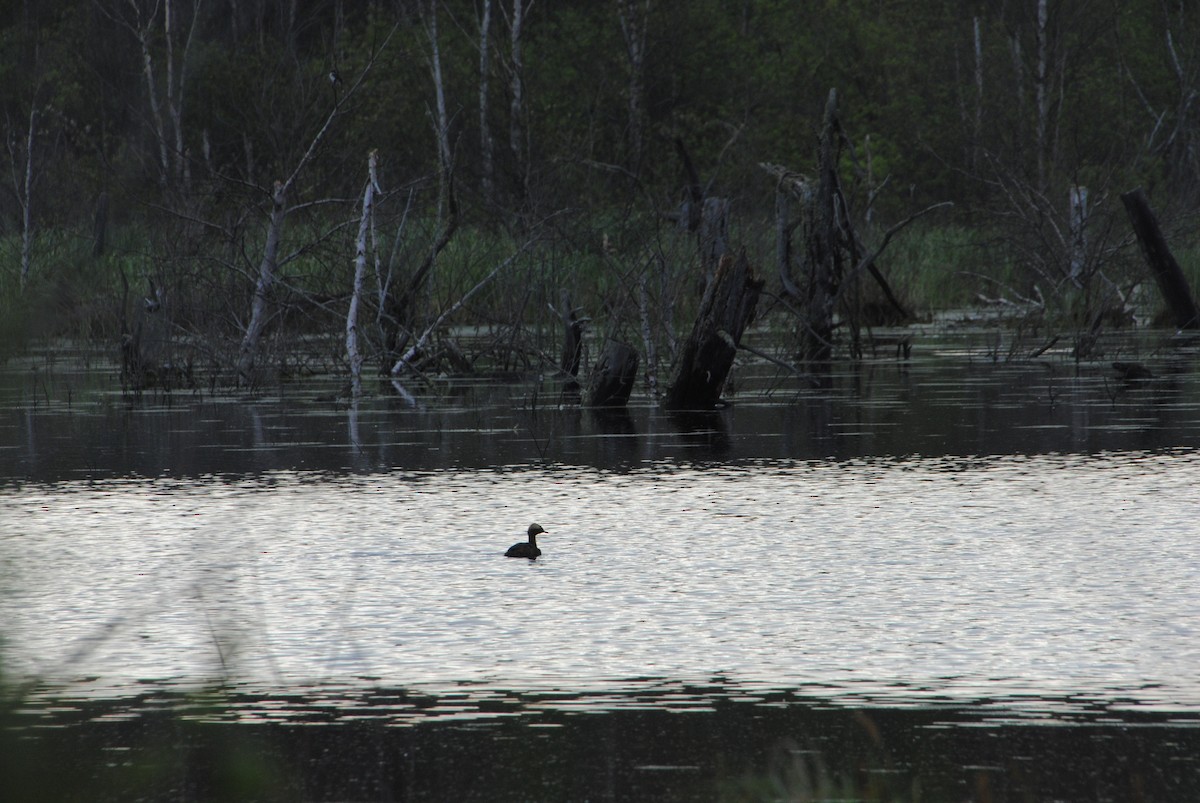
{"x":948,"y":535}
{"x":1046,"y":574}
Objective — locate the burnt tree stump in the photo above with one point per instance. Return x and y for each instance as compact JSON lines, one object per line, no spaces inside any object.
{"x":1171,"y":281}
{"x":613,"y":376}
{"x":706,"y":357}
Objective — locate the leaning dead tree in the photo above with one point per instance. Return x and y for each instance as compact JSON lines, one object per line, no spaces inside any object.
{"x":408,"y":360}
{"x":400,"y":308}
{"x":281,"y":208}
{"x":1171,"y":281}
{"x":832,"y":255}
{"x":353,"y":353}
{"x":707,"y":356}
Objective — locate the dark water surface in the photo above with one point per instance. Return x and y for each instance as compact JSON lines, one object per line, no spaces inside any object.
{"x":945,"y":579}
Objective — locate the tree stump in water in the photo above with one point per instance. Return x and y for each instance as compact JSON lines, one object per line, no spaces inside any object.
{"x":613,"y":376}
{"x":706,"y":357}
{"x":1171,"y":281}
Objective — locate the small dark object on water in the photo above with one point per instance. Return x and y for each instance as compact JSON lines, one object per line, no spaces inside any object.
{"x":526,"y":549}
{"x":1132,"y":371}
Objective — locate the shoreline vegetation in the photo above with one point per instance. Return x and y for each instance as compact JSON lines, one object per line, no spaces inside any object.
{"x":203,"y":186}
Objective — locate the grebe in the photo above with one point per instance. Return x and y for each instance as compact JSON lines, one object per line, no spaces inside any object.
{"x":526,"y":549}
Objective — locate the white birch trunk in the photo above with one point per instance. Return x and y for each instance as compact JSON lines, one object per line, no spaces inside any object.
{"x":1078,"y":230}
{"x":171,"y":146}
{"x":485,"y":133}
{"x":633,"y":27}
{"x":173,"y":109}
{"x":156,"y":118}
{"x":1041,"y":94}
{"x":262,"y":288}
{"x":443,"y":119}
{"x":176,"y":80}
{"x":248,"y":352}
{"x":360,"y":271}
{"x":978,"y":131}
{"x":648,"y":331}
{"x":26,"y":198}
{"x":517,"y":107}
{"x":1018,"y":83}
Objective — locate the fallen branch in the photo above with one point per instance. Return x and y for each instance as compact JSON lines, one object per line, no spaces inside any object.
{"x":405,"y":361}
{"x":867,"y":263}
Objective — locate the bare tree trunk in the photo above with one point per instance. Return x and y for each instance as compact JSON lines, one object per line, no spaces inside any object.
{"x":1078,"y":198}
{"x":633,"y":28}
{"x":516,"y":117}
{"x":171,"y":145}
{"x":648,"y":331}
{"x":1041,"y":94}
{"x":177,"y":82}
{"x":978,"y":130}
{"x":248,"y":352}
{"x":442,"y":124}
{"x":486,"y":145}
{"x":142,"y":32}
{"x":262,"y":288}
{"x":796,"y":185}
{"x":360,"y":272}
{"x":714,"y":234}
{"x":1018,"y":84}
{"x":100,"y":226}
{"x":573,"y":325}
{"x":25,"y":196}
{"x":783,"y":242}
{"x":1166,"y":270}
{"x":707,"y":355}
{"x":823,"y":257}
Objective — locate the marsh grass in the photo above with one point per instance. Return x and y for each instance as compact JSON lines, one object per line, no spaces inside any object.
{"x":936,"y":268}
{"x":632,"y":275}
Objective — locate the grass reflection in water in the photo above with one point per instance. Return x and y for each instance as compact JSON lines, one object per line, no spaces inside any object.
{"x":645,"y":740}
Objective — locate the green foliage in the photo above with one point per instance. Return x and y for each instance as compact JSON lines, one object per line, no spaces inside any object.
{"x":930,"y":119}
{"x":940,"y":267}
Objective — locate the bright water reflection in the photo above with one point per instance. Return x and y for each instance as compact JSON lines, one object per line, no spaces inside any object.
{"x":966,"y":577}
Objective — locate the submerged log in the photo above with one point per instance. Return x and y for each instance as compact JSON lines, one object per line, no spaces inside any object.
{"x":613,"y":376}
{"x":707,"y":355}
{"x":1171,"y":281}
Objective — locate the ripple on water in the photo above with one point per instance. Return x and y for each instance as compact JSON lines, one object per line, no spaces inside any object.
{"x":969,"y":577}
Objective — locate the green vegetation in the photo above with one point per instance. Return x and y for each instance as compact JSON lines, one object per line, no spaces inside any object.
{"x":143,"y":148}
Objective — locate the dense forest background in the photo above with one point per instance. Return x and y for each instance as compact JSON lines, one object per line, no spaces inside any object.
{"x":201,"y":167}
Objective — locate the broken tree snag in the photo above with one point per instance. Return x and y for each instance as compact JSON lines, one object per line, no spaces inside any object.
{"x":353,"y":354}
{"x":714,"y":234}
{"x":573,"y":325}
{"x":693,"y":200}
{"x":613,"y":376}
{"x":1171,"y":281}
{"x":823,"y":258}
{"x":707,"y":355}
{"x":789,"y":185}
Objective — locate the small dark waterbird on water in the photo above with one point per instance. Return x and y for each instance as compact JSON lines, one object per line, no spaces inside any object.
{"x":526,"y":549}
